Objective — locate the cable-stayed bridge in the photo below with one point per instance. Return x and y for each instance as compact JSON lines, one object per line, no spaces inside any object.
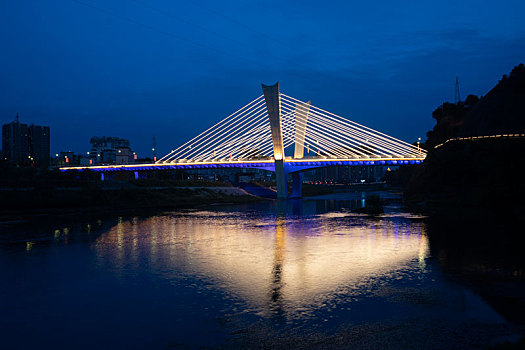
{"x":280,"y":133}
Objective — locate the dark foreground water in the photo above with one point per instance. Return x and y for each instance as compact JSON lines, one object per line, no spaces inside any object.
{"x":268,"y":275}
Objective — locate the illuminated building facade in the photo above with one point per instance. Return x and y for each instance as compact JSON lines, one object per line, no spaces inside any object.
{"x":110,"y":150}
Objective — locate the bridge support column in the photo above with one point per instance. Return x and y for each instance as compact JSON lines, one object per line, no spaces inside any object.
{"x":272,"y":97}
{"x":102,"y":178}
{"x":297,"y":185}
{"x":281,"y":179}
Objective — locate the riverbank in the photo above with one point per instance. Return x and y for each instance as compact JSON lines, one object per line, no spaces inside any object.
{"x":113,"y":199}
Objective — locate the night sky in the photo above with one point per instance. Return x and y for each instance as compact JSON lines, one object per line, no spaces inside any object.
{"x":135,"y":69}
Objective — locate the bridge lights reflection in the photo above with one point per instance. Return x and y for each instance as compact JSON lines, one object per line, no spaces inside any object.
{"x":274,"y":265}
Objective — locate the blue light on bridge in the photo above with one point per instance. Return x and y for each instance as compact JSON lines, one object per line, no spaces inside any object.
{"x":297,"y":165}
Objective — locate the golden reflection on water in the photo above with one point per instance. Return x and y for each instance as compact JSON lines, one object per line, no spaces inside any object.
{"x":269,"y":263}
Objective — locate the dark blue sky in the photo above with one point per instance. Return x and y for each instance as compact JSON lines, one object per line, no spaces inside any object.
{"x":135,"y":69}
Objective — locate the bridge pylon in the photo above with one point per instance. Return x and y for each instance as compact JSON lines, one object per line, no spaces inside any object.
{"x":272,"y":96}
{"x":301,"y":120}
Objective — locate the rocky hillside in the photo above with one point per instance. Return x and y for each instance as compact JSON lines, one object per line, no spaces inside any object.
{"x":501,"y":111}
{"x":477,"y":172}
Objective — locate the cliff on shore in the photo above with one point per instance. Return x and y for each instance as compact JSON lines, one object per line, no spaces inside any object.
{"x":481,"y":171}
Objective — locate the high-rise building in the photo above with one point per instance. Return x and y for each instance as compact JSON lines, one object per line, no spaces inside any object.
{"x":39,"y":143}
{"x":23,"y":144}
{"x":15,"y":142}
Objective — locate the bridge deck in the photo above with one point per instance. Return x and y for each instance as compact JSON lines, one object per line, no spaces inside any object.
{"x":266,"y":164}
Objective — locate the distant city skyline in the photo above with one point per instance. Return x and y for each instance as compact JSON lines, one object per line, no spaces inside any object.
{"x":135,"y":70}
{"x":24,"y":144}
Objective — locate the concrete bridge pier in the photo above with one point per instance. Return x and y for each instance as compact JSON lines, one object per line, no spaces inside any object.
{"x":297,"y":185}
{"x":281,"y":179}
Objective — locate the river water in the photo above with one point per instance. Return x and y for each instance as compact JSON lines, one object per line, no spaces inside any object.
{"x":304,"y":273}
